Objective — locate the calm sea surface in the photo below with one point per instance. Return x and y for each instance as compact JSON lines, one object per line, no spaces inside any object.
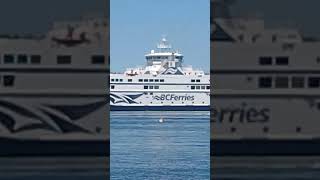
{"x":144,"y":148}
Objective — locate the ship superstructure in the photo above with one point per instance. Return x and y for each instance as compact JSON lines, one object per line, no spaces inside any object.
{"x":163,"y":84}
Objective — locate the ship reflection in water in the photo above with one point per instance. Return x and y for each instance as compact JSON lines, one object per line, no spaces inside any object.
{"x":263,"y":168}
{"x":144,"y":148}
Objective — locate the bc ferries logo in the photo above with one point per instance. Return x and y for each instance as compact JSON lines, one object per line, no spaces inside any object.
{"x":240,"y":114}
{"x":173,"y":97}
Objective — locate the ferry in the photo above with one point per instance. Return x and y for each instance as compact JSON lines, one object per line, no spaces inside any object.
{"x":163,"y":84}
{"x":266,"y":98}
{"x":53,"y":91}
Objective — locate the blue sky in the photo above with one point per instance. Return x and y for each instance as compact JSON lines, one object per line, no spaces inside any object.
{"x":138,"y":25}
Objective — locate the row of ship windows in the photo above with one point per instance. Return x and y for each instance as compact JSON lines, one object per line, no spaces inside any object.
{"x":283,"y":82}
{"x":140,"y":80}
{"x":157,"y":87}
{"x":144,"y":87}
{"x":36,"y":59}
{"x":268,"y":60}
{"x":199,"y":87}
{"x":163,"y":57}
{"x":266,"y":129}
{"x":150,"y":87}
{"x":195,"y":80}
{"x":149,"y":80}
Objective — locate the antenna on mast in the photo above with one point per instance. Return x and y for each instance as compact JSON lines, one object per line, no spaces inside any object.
{"x":164,"y":44}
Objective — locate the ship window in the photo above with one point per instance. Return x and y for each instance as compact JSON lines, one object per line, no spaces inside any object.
{"x":22,"y":59}
{"x":282,"y":60}
{"x":282,"y":82}
{"x":265,"y":82}
{"x":121,"y":80}
{"x":156,"y":87}
{"x":117,"y":80}
{"x":193,"y":80}
{"x":298,"y":129}
{"x":129,"y":80}
{"x":198,"y":80}
{"x":314,"y":82}
{"x":145,"y":80}
{"x":192,"y":87}
{"x":156,"y":80}
{"x":297,"y":82}
{"x":150,"y":87}
{"x":208,"y":87}
{"x":197,"y":87}
{"x":265,"y":60}
{"x":64,"y":59}
{"x":233,"y":129}
{"x":145,"y":87}
{"x":265,"y":129}
{"x":150,"y":80}
{"x":35,"y":59}
{"x":203,"y":87}
{"x":140,"y":80}
{"x":8,"y":59}
{"x":112,"y":87}
{"x":112,"y":80}
{"x":97,"y":59}
{"x":8,"y":80}
{"x":161,"y":80}
{"x":151,"y":93}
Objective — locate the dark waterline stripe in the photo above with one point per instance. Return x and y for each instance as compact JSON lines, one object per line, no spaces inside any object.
{"x":16,"y":147}
{"x":265,"y":147}
{"x":159,"y":108}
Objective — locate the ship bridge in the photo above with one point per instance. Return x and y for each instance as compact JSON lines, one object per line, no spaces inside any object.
{"x":164,"y":61}
{"x":163,"y":55}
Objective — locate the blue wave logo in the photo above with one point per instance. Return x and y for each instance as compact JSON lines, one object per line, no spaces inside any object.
{"x":59,"y":118}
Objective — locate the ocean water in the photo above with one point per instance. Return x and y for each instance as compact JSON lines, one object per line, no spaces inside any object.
{"x":144,"y":148}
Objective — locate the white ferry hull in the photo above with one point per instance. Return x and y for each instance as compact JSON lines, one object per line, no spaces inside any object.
{"x":257,"y":124}
{"x":160,"y":101}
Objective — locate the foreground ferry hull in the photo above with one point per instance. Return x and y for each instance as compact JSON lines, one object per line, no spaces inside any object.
{"x":160,"y":108}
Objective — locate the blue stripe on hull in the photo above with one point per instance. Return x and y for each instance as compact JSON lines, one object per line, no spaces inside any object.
{"x":159,"y":108}
{"x":13,"y":147}
{"x":264,"y":147}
